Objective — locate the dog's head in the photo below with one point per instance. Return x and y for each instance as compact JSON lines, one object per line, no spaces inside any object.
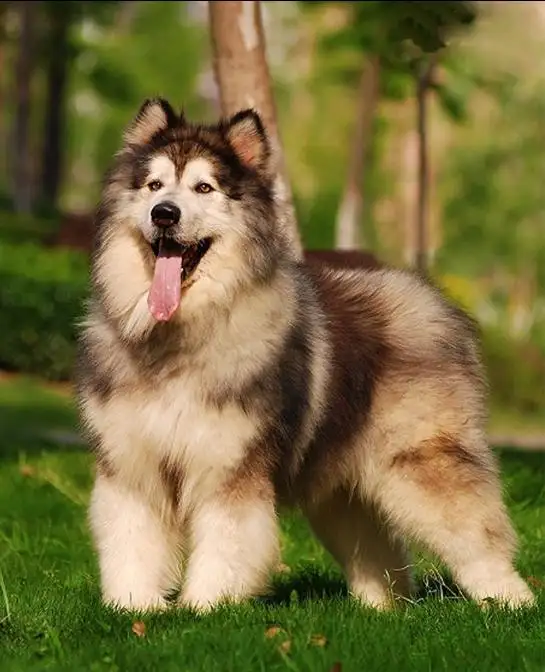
{"x":199,"y":198}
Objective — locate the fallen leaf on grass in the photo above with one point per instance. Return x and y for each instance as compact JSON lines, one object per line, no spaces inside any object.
{"x":336,"y":667}
{"x":285,"y":647}
{"x":318,"y":640}
{"x":275,"y":631}
{"x":27,"y":470}
{"x":139,"y":628}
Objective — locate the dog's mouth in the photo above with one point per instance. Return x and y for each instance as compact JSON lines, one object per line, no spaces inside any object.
{"x":190,"y":255}
{"x":175,"y":263}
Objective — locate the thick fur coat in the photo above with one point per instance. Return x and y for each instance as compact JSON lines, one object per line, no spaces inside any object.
{"x":356,"y":395}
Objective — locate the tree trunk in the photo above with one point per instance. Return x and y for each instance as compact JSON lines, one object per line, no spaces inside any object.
{"x":243,"y":78}
{"x":22,"y":174}
{"x":3,"y":67}
{"x":126,"y":15}
{"x":421,"y":229}
{"x":4,"y":132}
{"x":408,"y":147}
{"x":348,"y":234}
{"x":57,"y":71}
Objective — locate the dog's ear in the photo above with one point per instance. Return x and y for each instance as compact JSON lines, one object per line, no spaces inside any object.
{"x":155,"y":115}
{"x":247,"y":136}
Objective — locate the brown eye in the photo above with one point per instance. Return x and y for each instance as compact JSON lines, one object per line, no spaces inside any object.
{"x":155,"y":185}
{"x":203,"y":188}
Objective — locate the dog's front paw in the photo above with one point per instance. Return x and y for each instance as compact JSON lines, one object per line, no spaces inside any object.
{"x":199,"y":604}
{"x":203,"y":602}
{"x":135,"y":601}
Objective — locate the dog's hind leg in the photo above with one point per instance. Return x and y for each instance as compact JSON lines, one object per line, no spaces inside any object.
{"x":375,"y":563}
{"x":448,"y":496}
{"x":234,"y":544}
{"x":137,"y":551}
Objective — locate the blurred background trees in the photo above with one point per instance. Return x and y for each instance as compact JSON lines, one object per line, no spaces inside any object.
{"x":74,"y":72}
{"x":413,"y":129}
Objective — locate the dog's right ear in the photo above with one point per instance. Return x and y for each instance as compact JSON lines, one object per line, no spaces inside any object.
{"x":155,"y":115}
{"x":248,"y":138}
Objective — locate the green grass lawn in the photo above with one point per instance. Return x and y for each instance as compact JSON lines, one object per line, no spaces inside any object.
{"x":51,"y":617}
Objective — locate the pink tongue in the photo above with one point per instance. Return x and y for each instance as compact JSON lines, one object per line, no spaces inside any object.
{"x":165,"y":291}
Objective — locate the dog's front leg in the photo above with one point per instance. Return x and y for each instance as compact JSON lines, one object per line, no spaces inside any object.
{"x":137,"y":550}
{"x":234,"y":547}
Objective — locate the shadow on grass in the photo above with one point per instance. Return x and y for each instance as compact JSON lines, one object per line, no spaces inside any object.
{"x":520,"y":458}
{"x":32,"y":417}
{"x":307,"y":584}
{"x":311,"y":584}
{"x":523,"y":475}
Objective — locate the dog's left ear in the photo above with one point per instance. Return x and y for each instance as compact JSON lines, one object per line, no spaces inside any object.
{"x":155,"y":115}
{"x":248,"y":138}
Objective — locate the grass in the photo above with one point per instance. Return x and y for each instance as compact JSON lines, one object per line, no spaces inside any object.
{"x":51,"y":617}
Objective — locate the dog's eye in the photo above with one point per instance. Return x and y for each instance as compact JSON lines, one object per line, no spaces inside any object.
{"x":155,"y":185}
{"x":204,"y":188}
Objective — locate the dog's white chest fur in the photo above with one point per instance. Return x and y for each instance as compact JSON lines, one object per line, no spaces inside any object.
{"x":172,"y":425}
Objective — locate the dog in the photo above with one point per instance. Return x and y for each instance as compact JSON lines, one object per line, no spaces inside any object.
{"x":220,"y":378}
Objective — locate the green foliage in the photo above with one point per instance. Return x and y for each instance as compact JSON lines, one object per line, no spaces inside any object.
{"x":41,"y":294}
{"x":494,"y":230}
{"x":403,"y":35}
{"x":399,"y":31}
{"x":460,"y":80}
{"x":494,"y":205}
{"x":54,"y":12}
{"x":427,"y":25}
{"x":110,"y":82}
{"x":383,"y":27}
{"x":160,"y":54}
{"x":516,"y":371}
{"x":316,"y":219}
{"x":19,"y":228}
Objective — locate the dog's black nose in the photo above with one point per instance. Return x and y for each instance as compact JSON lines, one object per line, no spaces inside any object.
{"x":165,"y":214}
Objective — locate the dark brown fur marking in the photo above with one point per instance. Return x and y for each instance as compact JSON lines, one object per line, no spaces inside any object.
{"x":250,"y":480}
{"x":499,"y":535}
{"x":172,"y":478}
{"x":442,"y":462}
{"x":104,"y":465}
{"x":90,"y":375}
{"x":360,"y":353}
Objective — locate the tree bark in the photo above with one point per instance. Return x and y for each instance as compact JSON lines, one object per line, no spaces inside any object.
{"x":126,"y":15}
{"x":348,"y":234}
{"x":243,"y":78}
{"x":3,"y":96}
{"x":22,"y":174}
{"x":57,"y":72}
{"x":423,"y":81}
{"x":409,"y":185}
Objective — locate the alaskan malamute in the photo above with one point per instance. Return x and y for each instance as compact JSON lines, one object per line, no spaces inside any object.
{"x":219,"y":377}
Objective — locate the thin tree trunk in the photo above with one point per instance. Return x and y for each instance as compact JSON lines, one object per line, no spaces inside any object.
{"x":57,"y":72}
{"x":348,"y":234}
{"x":3,"y":63}
{"x":244,"y":81}
{"x":409,"y":162}
{"x":22,"y":174}
{"x":126,"y":15}
{"x":422,"y":88}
